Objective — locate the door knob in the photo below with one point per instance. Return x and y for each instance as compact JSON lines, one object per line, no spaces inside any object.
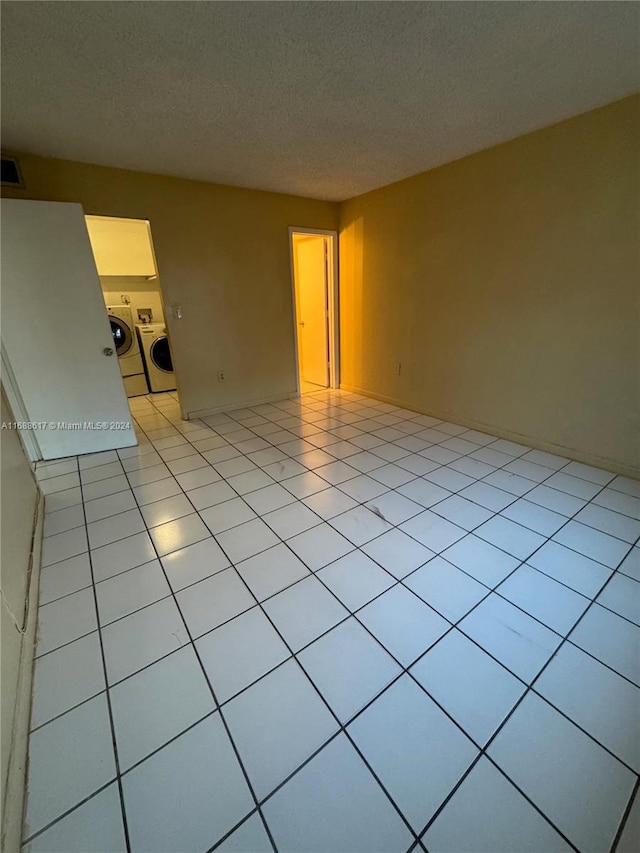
{"x":301,"y":323}
{"x":107,"y":351}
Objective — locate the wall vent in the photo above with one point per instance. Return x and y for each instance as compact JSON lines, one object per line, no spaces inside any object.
{"x":10,"y":174}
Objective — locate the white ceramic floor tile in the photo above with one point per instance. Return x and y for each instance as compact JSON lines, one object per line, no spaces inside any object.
{"x":481,"y":560}
{"x":423,"y":492}
{"x":156,"y":491}
{"x":445,"y":588}
{"x":224,"y":516}
{"x":515,"y":639}
{"x":100,"y":472}
{"x":355,"y":579}
{"x":66,"y":619}
{"x":271,"y":571}
{"x":65,"y":577}
{"x":109,"y":505}
{"x":319,"y":546}
{"x":142,"y":638}
{"x":510,"y":537}
{"x":536,"y":518}
{"x":575,"y":486}
{"x":174,"y":795}
{"x":365,"y":668}
{"x":95,"y":827}
{"x":610,"y":639}
{"x":249,"y":837}
{"x":394,"y":508}
{"x":612,"y":523}
{"x":148,"y":475}
{"x":198,"y":478}
{"x":360,"y":525}
{"x":304,"y":611}
{"x":291,"y":520}
{"x":581,"y":788}
{"x":570,"y":568}
{"x":75,"y":750}
{"x":515,"y":825}
{"x":363,"y":488}
{"x":63,"y":499}
{"x":627,"y":503}
{"x":62,"y":546}
{"x":622,"y":595}
{"x":398,"y":553}
{"x":395,"y":464}
{"x":131,"y":590}
{"x":116,"y":527}
{"x":544,"y":598}
{"x":629,"y":840}
{"x":630,"y":566}
{"x":215,"y":600}
{"x":101,"y":488}
{"x":475,"y":690}
{"x":403,"y":624}
{"x":555,"y":500}
{"x":239,"y":652}
{"x":247,"y":539}
{"x":462,"y":512}
{"x":66,"y":677}
{"x":487,"y":496}
{"x":415,"y":750}
{"x":119,"y":556}
{"x":177,"y":534}
{"x":194,"y":563}
{"x":329,"y":503}
{"x":168,"y":509}
{"x":157,"y":704}
{"x":265,"y":725}
{"x":63,"y":519}
{"x":598,"y":546}
{"x":311,"y":812}
{"x":597,"y":699}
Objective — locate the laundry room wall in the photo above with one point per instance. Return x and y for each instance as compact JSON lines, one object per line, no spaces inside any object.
{"x":223,"y":256}
{"x":141,"y":293}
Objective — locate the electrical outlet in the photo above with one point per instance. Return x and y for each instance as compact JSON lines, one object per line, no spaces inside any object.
{"x":398,"y":368}
{"x":222,"y":376}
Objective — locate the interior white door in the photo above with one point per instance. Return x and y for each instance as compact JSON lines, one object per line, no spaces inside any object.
{"x":56,"y":334}
{"x":313,"y":349}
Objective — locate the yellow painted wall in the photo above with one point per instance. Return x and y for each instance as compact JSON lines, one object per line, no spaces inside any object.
{"x":507,"y":284}
{"x":222,"y":253}
{"x":19,"y":497}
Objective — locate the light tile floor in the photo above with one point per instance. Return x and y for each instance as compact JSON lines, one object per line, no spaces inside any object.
{"x":330,"y":624}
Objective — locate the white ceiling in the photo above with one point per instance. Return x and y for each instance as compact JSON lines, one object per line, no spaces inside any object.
{"x":320,"y":99}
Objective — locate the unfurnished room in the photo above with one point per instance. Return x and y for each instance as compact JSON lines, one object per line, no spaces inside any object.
{"x":320,"y":427}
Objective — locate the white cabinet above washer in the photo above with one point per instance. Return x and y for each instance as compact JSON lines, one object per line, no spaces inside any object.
{"x":121,"y":246}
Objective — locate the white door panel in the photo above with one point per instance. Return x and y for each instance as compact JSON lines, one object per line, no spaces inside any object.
{"x":55,"y":329}
{"x":313,"y":349}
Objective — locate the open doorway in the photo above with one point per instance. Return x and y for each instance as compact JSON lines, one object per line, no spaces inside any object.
{"x":125,"y":260}
{"x":314,"y":267}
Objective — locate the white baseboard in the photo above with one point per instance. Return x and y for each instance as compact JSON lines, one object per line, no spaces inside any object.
{"x":15,"y":790}
{"x":521,"y":438}
{"x":246,"y":404}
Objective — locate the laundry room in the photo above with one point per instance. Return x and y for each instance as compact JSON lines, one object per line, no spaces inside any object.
{"x":125,"y":260}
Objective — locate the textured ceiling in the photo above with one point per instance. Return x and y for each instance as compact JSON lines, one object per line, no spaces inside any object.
{"x":321,"y":99}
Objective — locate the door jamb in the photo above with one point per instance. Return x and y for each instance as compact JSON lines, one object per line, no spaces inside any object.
{"x":18,"y":408}
{"x":334,"y":306}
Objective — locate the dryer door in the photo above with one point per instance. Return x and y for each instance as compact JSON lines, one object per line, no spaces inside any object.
{"x":122,"y":336}
{"x":161,"y":354}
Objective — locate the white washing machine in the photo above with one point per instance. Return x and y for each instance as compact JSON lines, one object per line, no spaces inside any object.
{"x":128,"y":350}
{"x":154,"y":344}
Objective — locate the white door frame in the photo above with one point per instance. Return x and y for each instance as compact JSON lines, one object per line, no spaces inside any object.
{"x":334,"y":305}
{"x":28,"y":436}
